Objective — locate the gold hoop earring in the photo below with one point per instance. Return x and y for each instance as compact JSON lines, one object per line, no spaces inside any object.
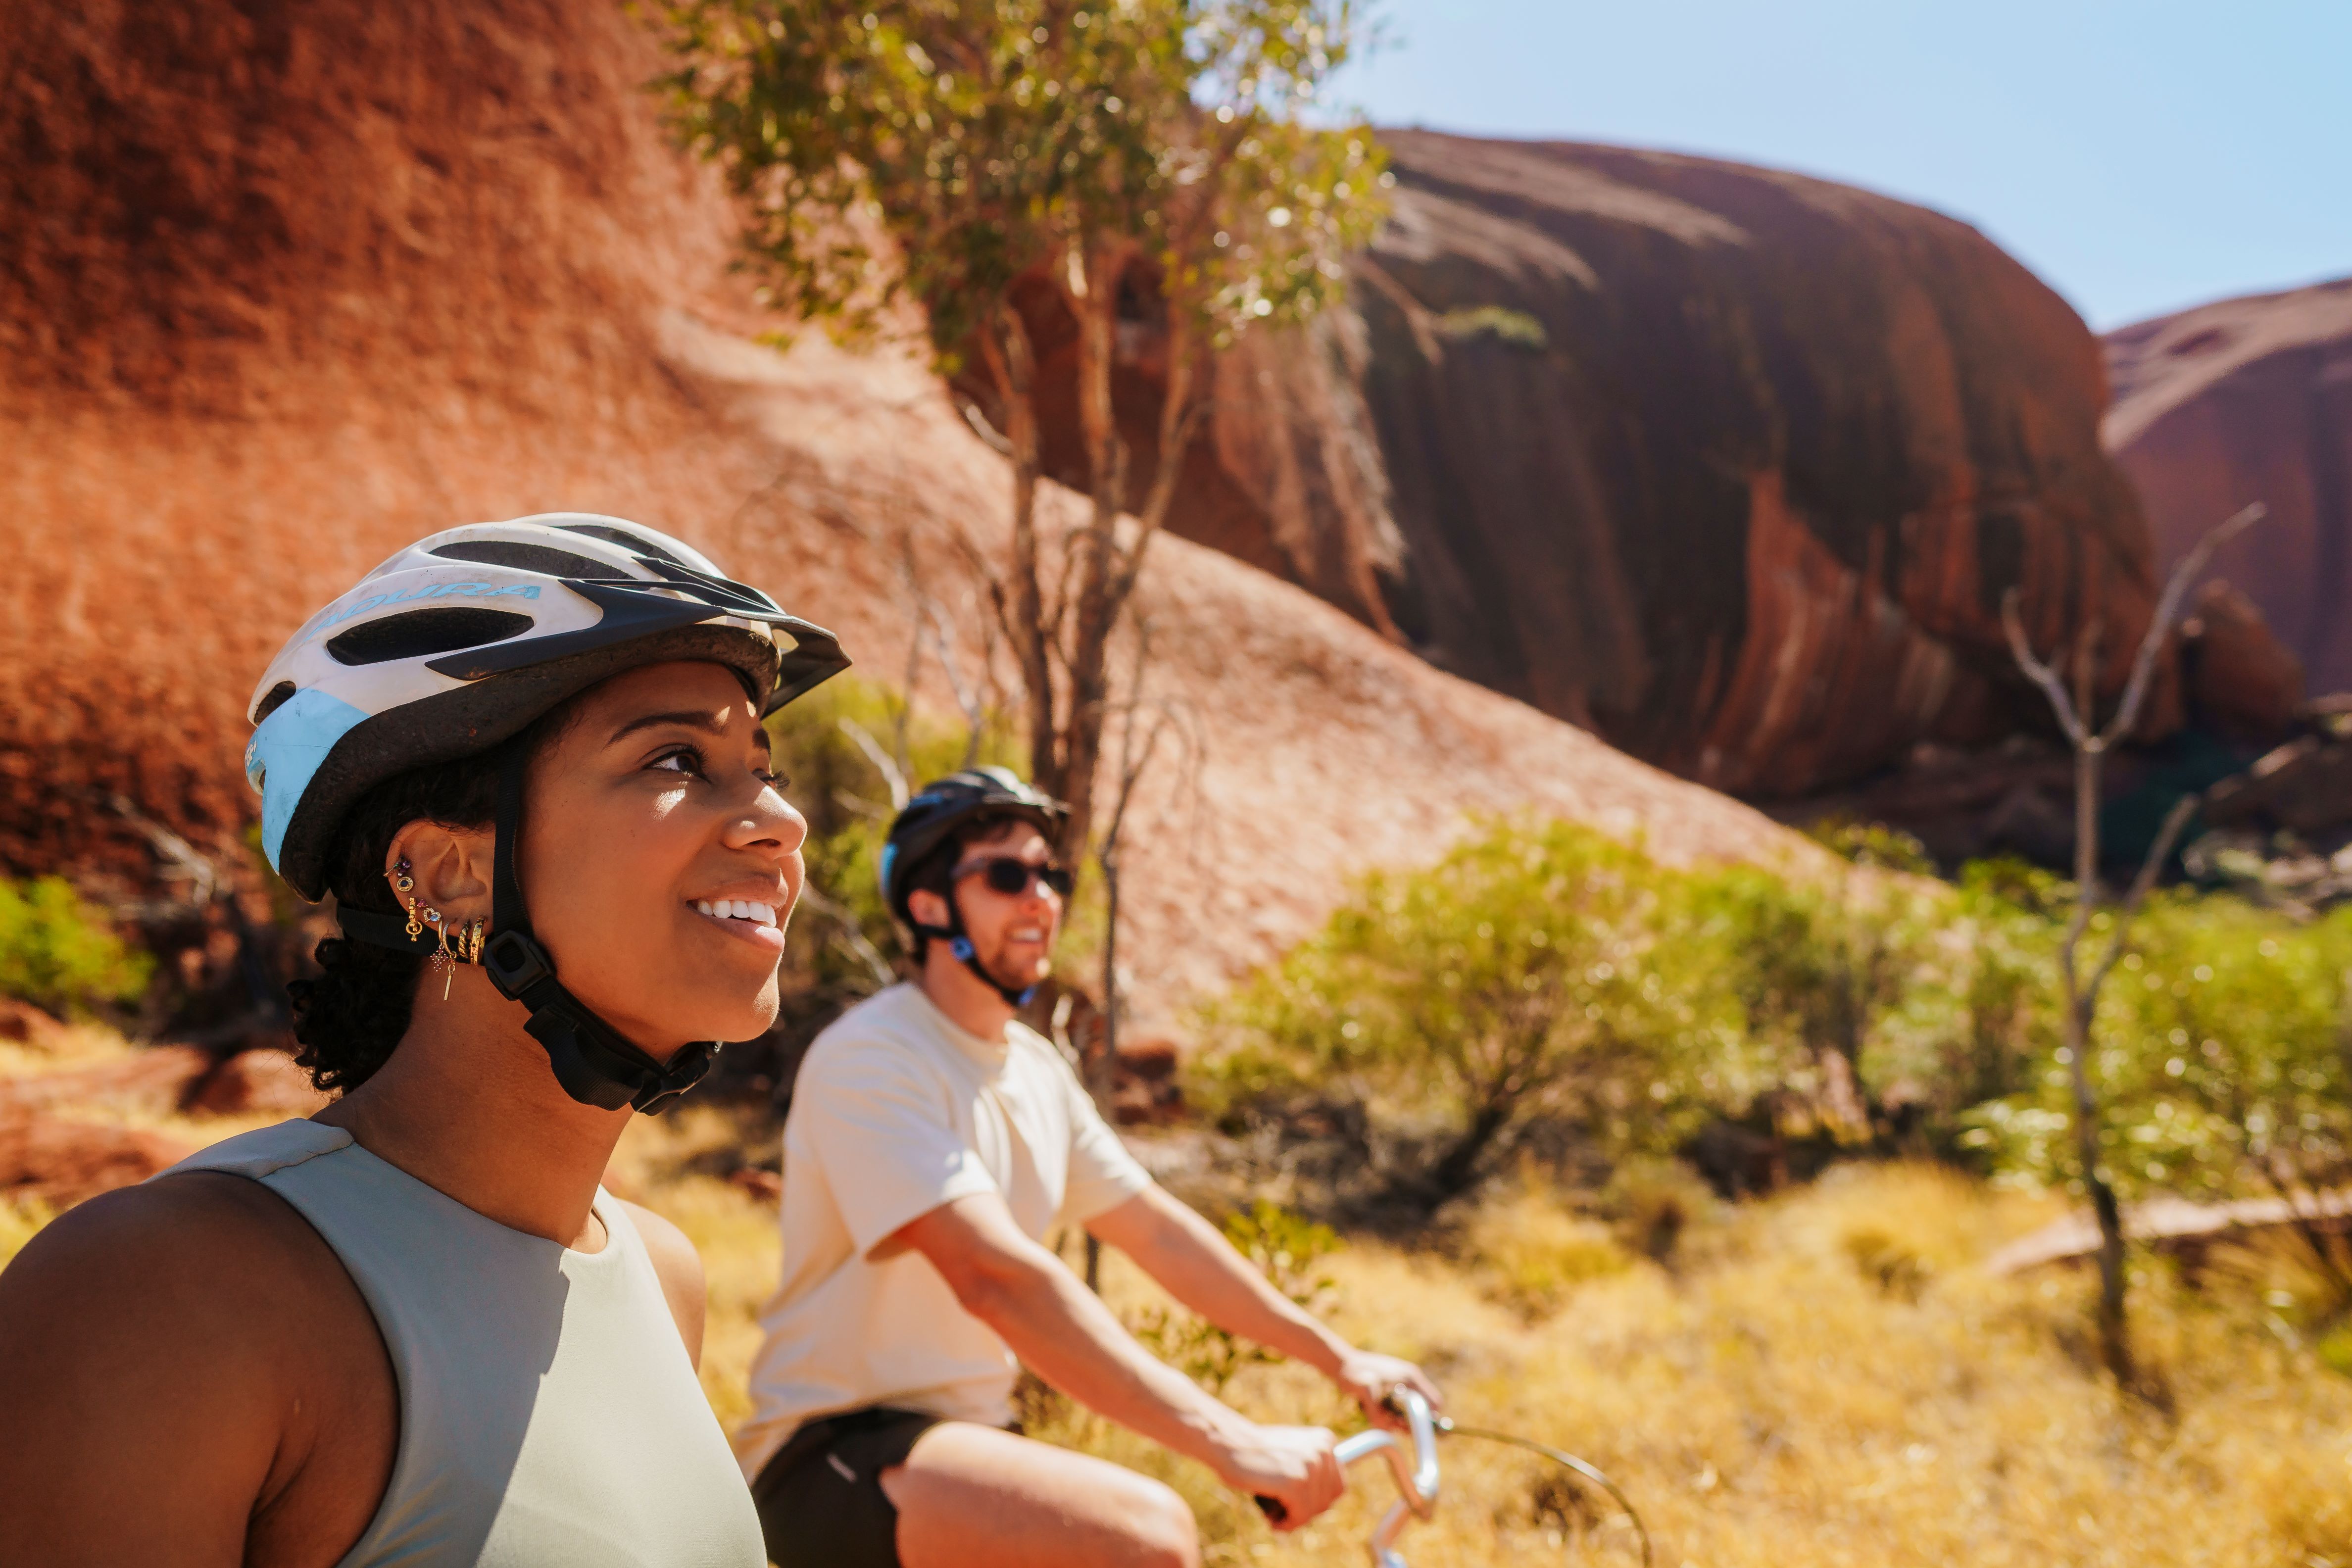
{"x":477,"y":933}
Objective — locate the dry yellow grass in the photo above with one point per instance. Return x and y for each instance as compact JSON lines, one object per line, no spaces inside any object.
{"x":1825,"y":1378}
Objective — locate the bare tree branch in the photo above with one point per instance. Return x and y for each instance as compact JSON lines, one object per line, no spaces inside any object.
{"x":188,"y":862}
{"x":2159,"y":626}
{"x":846,"y":928}
{"x":2021,"y":649}
{"x":2150,"y":869}
{"x":884,"y":762}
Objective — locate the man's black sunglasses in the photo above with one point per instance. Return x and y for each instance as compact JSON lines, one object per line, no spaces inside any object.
{"x":1011,"y":878}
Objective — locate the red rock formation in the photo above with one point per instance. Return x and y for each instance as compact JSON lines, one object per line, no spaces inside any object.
{"x":2249,"y":400}
{"x":22,"y":1024}
{"x":258,"y":1080}
{"x":2241,"y":679}
{"x":160,"y":1079}
{"x":282,"y":289}
{"x":57,"y":1161}
{"x":1731,"y":465}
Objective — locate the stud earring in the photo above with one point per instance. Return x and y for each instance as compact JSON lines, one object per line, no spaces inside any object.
{"x":406,"y":885}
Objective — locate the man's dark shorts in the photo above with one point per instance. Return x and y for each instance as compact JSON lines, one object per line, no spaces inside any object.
{"x":821,"y":1500}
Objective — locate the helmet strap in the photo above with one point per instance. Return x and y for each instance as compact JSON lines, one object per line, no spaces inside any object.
{"x":958,"y":944}
{"x":595,"y":1063}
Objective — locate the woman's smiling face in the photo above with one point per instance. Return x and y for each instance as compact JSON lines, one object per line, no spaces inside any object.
{"x":659,"y":859}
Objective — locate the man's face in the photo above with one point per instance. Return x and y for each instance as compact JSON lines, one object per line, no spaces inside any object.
{"x":1012,"y":933}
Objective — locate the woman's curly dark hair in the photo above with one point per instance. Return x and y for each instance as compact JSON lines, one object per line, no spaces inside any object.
{"x":350,"y":1016}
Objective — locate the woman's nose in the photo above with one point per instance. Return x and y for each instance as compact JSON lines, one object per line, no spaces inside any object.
{"x":772,"y":819}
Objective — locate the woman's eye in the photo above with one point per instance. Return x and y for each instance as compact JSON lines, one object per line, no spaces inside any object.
{"x":775,"y":781}
{"x":686,"y":760}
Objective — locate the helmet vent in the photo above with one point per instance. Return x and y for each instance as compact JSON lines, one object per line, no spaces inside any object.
{"x":543,"y":559}
{"x":421,"y":632}
{"x":279,"y":695}
{"x":634,"y":543}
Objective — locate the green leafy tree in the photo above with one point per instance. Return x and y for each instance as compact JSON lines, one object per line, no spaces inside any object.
{"x":1145,"y":161}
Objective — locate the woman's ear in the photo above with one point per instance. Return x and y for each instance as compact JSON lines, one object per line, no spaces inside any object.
{"x":450,"y":866}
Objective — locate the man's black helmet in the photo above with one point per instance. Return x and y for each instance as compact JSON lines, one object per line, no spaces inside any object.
{"x":941,"y":807}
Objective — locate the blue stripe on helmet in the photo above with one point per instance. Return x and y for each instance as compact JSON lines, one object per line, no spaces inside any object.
{"x":285,"y":751}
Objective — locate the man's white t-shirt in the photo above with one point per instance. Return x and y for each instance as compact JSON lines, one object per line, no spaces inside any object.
{"x":896,"y":1112}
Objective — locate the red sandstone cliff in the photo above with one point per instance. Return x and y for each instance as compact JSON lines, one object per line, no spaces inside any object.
{"x":1732,"y":465}
{"x":2249,"y":400}
{"x":283,"y":288}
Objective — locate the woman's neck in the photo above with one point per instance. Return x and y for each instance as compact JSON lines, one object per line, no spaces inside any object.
{"x":468,"y":1105}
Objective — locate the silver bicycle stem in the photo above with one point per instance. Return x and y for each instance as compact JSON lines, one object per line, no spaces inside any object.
{"x":1416,"y":1474}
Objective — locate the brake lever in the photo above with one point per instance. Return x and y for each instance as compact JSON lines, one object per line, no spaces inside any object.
{"x":1416,"y":1477}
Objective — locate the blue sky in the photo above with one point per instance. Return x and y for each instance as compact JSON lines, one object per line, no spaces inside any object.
{"x":2141,"y":157}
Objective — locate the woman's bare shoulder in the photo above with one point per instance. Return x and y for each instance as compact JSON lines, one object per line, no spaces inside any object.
{"x":190,"y":1327}
{"x":202,"y":1266}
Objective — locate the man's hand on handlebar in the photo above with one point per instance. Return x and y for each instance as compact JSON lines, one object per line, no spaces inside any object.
{"x":1293,"y":1465}
{"x":1371,"y":1378}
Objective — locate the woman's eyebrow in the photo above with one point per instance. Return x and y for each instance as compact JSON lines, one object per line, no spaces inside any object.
{"x":712,"y":723}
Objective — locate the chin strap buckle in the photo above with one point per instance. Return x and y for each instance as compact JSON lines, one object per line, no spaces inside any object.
{"x":969,"y":956}
{"x":515,"y":964}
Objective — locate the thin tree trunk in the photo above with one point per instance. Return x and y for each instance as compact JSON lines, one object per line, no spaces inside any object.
{"x":1012,"y":364}
{"x":2115,"y":1342}
{"x":2077,"y":717}
{"x":1453,"y":1173}
{"x":1093,"y":291}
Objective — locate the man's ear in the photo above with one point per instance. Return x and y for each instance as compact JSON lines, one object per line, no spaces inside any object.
{"x":451,"y":866}
{"x":927,"y":908}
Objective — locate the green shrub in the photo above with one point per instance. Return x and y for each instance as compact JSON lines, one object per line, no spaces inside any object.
{"x":56,"y":953}
{"x":2223,"y":1061}
{"x":1286,"y":1248}
{"x":1841,"y":981}
{"x":1542,"y":969}
{"x":1545,"y":973}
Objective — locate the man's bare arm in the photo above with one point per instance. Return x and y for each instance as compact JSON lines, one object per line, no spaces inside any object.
{"x":1065,"y":1333}
{"x":1198,"y":1267}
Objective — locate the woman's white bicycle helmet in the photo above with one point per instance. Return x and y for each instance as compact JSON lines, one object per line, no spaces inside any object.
{"x":460,"y":642}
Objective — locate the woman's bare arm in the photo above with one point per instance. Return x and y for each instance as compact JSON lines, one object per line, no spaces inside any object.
{"x":680,"y":1268}
{"x":183,"y":1378}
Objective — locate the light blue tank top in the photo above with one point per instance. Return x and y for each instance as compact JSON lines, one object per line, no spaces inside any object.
{"x":548,"y":1416}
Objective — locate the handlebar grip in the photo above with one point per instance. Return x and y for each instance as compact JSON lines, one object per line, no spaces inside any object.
{"x":1271,"y":1508}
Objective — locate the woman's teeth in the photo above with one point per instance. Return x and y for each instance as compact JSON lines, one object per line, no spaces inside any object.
{"x":737,"y":909}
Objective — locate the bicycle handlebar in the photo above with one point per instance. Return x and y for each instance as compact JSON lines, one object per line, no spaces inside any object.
{"x":1416,"y":1475}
